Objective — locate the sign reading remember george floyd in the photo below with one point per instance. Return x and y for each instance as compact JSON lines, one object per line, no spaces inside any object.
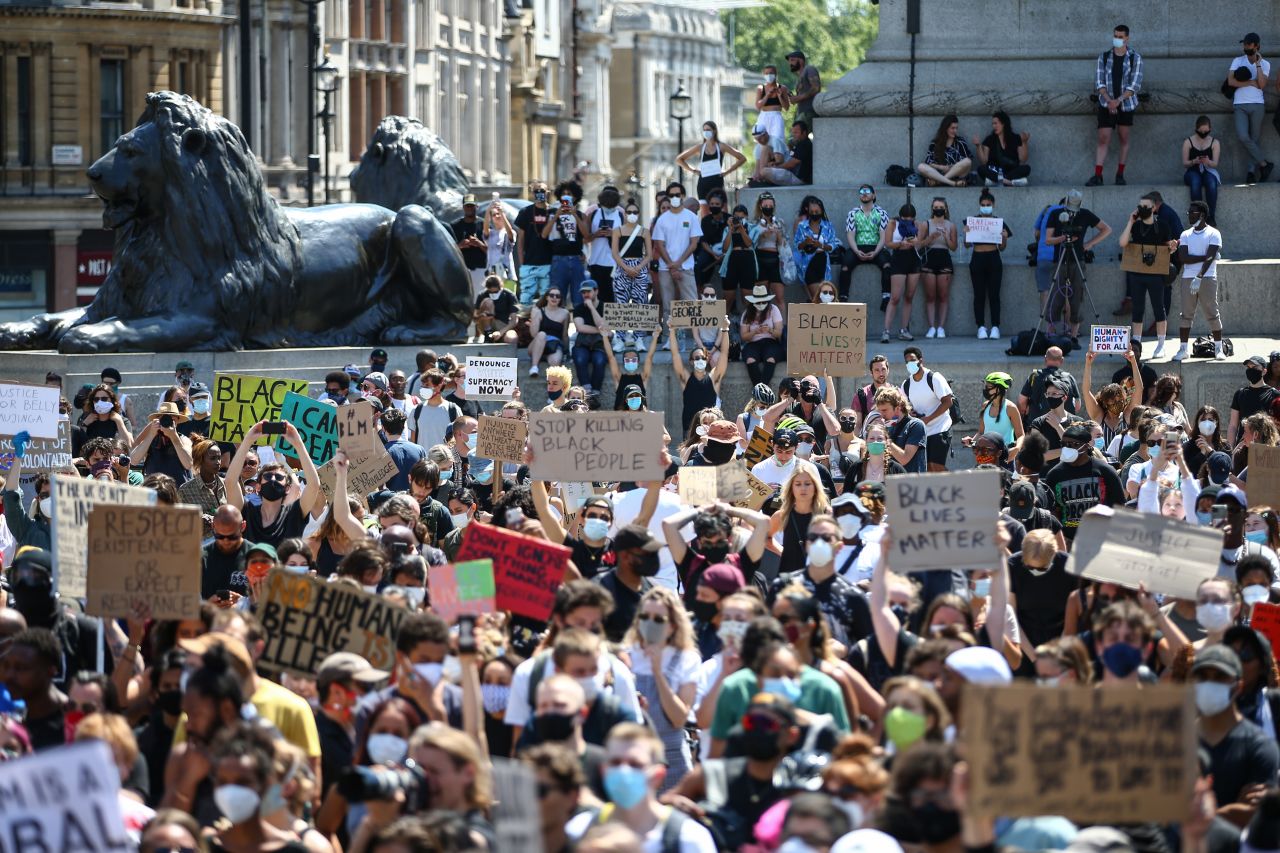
{"x":526,"y":571}
{"x":602,"y":447}
{"x":307,"y":619}
{"x":489,"y":378}
{"x":943,"y":521}
{"x":1099,"y":756}
{"x":29,"y":408}
{"x":826,"y":337}
{"x":1121,"y":546}
{"x":73,"y":498}
{"x":316,"y":422}
{"x":697,"y":313}
{"x":501,"y":438}
{"x":66,"y":798}
{"x":144,"y":552}
{"x":240,"y":401}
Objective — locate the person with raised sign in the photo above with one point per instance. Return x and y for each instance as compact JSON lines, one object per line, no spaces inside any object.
{"x":274,"y":519}
{"x":701,"y":385}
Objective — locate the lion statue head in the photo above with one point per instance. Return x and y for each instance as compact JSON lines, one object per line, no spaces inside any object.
{"x":407,"y":164}
{"x":192,"y":216}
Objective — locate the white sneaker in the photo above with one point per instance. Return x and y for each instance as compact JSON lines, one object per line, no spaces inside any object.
{"x":942,"y":333}
{"x":1159,"y":350}
{"x":617,"y":342}
{"x":1218,"y":354}
{"x":533,"y":371}
{"x":982,"y":333}
{"x":995,"y":333}
{"x":1018,"y":182}
{"x":1181,"y":353}
{"x":932,"y":331}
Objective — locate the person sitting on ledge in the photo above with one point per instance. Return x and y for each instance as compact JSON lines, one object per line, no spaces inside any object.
{"x":949,"y":160}
{"x":1003,"y":153}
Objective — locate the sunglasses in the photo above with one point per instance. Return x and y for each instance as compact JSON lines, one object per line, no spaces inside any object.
{"x":272,"y":478}
{"x":251,"y":463}
{"x":227,"y":537}
{"x":814,"y":537}
{"x":102,"y":399}
{"x":553,"y":296}
{"x":761,"y":723}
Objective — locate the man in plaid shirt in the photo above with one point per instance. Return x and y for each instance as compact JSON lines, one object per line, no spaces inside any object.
{"x":1117,"y":80}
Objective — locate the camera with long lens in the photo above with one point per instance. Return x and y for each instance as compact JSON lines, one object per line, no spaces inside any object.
{"x":361,"y":784}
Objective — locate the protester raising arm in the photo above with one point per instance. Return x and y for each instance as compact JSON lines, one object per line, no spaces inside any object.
{"x":538,"y":490}
{"x":998,"y":610}
{"x":142,"y":444}
{"x":883,"y":619}
{"x":645,"y":369}
{"x":472,"y":701}
{"x":347,"y":523}
{"x":671,"y":526}
{"x":312,"y":500}
{"x":235,"y":496}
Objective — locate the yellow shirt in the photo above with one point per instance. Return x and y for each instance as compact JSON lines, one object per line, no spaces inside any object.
{"x":284,"y":709}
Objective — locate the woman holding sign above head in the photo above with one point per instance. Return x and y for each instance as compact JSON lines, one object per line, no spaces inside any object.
{"x":272,"y":520}
{"x":1113,"y":405}
{"x":702,"y":384}
{"x":986,"y":269}
{"x":632,"y":375}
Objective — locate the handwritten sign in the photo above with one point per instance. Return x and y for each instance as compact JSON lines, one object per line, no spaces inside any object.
{"x":33,"y":408}
{"x":983,"y":229}
{"x":364,"y":475}
{"x":67,"y":796}
{"x":943,"y":521}
{"x":42,"y":455}
{"x":458,"y":588}
{"x":241,"y":400}
{"x":759,"y":447}
{"x":1264,"y":475}
{"x":597,"y":446}
{"x":490,"y":378}
{"x":1096,"y":756}
{"x":705,"y":484}
{"x":1135,"y":256}
{"x":697,"y":313}
{"x":73,"y":498}
{"x":316,"y":422}
{"x":1265,"y":619}
{"x":526,"y":571}
{"x":501,"y":438}
{"x":575,"y":495}
{"x":831,"y":336}
{"x":307,"y":619}
{"x":1109,"y":339}
{"x":760,"y":493}
{"x":1121,"y":546}
{"x":356,"y":435}
{"x":632,"y":316}
{"x":150,"y":553}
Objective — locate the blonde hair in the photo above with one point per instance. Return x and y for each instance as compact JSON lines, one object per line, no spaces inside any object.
{"x":561,"y":373}
{"x":634,"y":732}
{"x":681,"y":628}
{"x":114,"y":730}
{"x":821,"y":503}
{"x":894,"y":397}
{"x":459,"y":746}
{"x":1040,"y":546}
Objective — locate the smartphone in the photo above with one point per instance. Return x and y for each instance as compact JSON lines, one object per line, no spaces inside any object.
{"x":222,"y":594}
{"x":1218,"y":514}
{"x":273,"y":427}
{"x":1173,"y":437}
{"x":166,"y":421}
{"x":466,"y":634}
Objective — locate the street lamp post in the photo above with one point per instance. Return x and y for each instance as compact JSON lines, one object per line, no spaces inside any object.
{"x":681,"y":108}
{"x":313,"y":47}
{"x":327,"y":82}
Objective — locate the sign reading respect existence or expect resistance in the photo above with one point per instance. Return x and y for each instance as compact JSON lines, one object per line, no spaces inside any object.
{"x":149,"y":553}
{"x":944,"y":520}
{"x":827,"y":337}
{"x":602,"y":447}
{"x":241,"y":400}
{"x":29,"y":408}
{"x":1109,"y":339}
{"x":489,"y":378}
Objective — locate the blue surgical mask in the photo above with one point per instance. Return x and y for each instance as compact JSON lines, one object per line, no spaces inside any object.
{"x":634,"y":403}
{"x":911,"y":367}
{"x":787,"y":688}
{"x":1117,"y":43}
{"x":986,"y":209}
{"x":595,"y":528}
{"x":1205,"y":518}
{"x":483,"y":476}
{"x":982,"y":588}
{"x":626,"y":786}
{"x":446,"y":475}
{"x":1100,"y":443}
{"x":631,"y":366}
{"x":1258,"y":536}
{"x":201,"y":405}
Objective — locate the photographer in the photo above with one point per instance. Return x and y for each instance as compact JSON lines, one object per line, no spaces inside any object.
{"x":160,"y":449}
{"x":1067,"y":234}
{"x":1149,"y":234}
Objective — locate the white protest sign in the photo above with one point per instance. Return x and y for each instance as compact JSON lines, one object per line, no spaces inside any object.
{"x":944,"y":520}
{"x":1108,"y":339}
{"x":983,"y":229}
{"x":490,"y":378}
{"x":73,"y":497}
{"x":33,"y":408}
{"x":66,"y":798}
{"x":1124,"y":547}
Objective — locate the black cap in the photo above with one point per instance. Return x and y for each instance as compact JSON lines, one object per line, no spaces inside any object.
{"x":785,"y":437}
{"x":378,"y":353}
{"x":635,"y":536}
{"x":1022,"y":500}
{"x":1219,"y":657}
{"x":110,"y":373}
{"x":34,"y":558}
{"x":1251,"y":38}
{"x":796,"y":54}
{"x":1078,"y":432}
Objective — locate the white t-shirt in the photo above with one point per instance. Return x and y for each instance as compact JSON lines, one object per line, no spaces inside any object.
{"x":775,"y":146}
{"x":626,"y":506}
{"x":925,"y":400}
{"x":601,"y":253}
{"x":519,"y":712}
{"x":677,"y":229}
{"x":768,"y":471}
{"x":1198,"y":243}
{"x":1248,"y":94}
{"x":679,"y":671}
{"x":694,"y":837}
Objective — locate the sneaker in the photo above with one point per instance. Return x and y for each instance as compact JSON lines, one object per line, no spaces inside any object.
{"x":1265,"y":172}
{"x":904,"y":335}
{"x":884,"y":337}
{"x":942,"y":333}
{"x":617,"y":342}
{"x":1095,"y":181}
{"x":1181,"y":353}
{"x":982,"y":333}
{"x":1018,"y":182}
{"x":884,"y":302}
{"x":1218,"y":354}
{"x":995,"y":333}
{"x":931,"y":333}
{"x":1119,"y":181}
{"x":1159,"y":350}
{"x":533,"y":371}
{"x":1250,"y":179}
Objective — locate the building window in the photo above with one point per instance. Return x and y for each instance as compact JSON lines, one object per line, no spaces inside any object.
{"x":111,"y":102}
{"x":422,"y":104}
{"x":24,"y":116}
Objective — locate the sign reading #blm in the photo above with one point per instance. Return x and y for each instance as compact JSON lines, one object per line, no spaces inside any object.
{"x":943,"y":521}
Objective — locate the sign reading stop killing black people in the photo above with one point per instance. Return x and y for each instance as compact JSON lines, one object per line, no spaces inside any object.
{"x":602,"y":447}
{"x":943,"y":521}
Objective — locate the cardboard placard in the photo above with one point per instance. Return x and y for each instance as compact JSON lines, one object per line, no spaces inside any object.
{"x":632,"y":316}
{"x":760,"y":492}
{"x":1264,"y":476}
{"x":831,"y":337}
{"x":517,"y":820}
{"x":983,"y":229}
{"x":316,"y":422}
{"x":364,"y":475}
{"x":1094,"y":756}
{"x":241,"y":400}
{"x":1125,"y":547}
{"x":458,"y":588}
{"x":490,"y":378}
{"x":67,"y":796}
{"x":29,"y":408}
{"x":575,"y":495}
{"x":760,"y":446}
{"x":705,"y":484}
{"x":144,"y":552}
{"x":526,"y":571}
{"x":501,"y":438}
{"x":603,"y":447}
{"x":356,"y":433}
{"x":697,"y":313}
{"x":73,"y":498}
{"x":307,"y":619}
{"x":1109,"y":339}
{"x":944,"y":520}
{"x":1265,"y":619}
{"x":1131,"y":260}
{"x":41,"y":455}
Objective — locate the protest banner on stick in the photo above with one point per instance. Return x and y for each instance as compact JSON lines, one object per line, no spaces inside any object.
{"x":65,"y":798}
{"x":489,"y":378}
{"x":705,"y":484}
{"x":597,"y":446}
{"x":356,"y":433}
{"x":32,"y":409}
{"x":632,"y":316}
{"x":1109,"y":339}
{"x":1125,"y":547}
{"x":501,"y":438}
{"x":147,"y":553}
{"x":73,"y":498}
{"x":458,"y":588}
{"x":241,"y":400}
{"x":526,"y":571}
{"x":826,"y":337}
{"x":944,"y":520}
{"x":316,"y":422}
{"x":697,"y":313}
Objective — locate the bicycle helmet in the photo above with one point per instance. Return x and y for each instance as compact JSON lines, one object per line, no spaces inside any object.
{"x":762,"y":393}
{"x":999,"y":378}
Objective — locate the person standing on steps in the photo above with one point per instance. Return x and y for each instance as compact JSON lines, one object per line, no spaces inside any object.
{"x":986,"y":272}
{"x":1198,"y":249}
{"x":1248,"y":76}
{"x":1147,"y":232}
{"x":1117,"y":80}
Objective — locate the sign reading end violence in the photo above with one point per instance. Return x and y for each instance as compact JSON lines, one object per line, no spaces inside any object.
{"x":603,"y":447}
{"x":826,"y":337}
{"x":943,"y":521}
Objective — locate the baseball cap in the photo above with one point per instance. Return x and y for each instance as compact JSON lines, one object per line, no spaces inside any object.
{"x":353,"y":370}
{"x":1234,"y":493}
{"x":1022,"y":500}
{"x":378,"y":354}
{"x":635,"y":536}
{"x":468,"y":199}
{"x":197,"y":389}
{"x":866,"y":841}
{"x":1251,"y":38}
{"x":1219,"y":657}
{"x":1258,"y":360}
{"x":378,"y":379}
{"x":796,"y":54}
{"x":980,"y":665}
{"x":600,"y":501}
{"x":185,"y":365}
{"x":263,"y":548}
{"x":1075,"y":198}
{"x":784,"y":438}
{"x":724,"y":578}
{"x":871,"y":488}
{"x":29,"y":556}
{"x":235,"y":649}
{"x":587,"y":284}
{"x":347,"y":666}
{"x":1219,"y":467}
{"x":1078,"y":432}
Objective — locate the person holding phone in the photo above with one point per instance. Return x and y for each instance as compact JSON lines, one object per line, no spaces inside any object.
{"x":274,"y":519}
{"x":565,"y":229}
{"x":160,"y":448}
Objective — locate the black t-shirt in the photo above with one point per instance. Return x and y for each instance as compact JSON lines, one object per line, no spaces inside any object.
{"x":566,"y":239}
{"x":46,"y":732}
{"x":531,"y":220}
{"x":1084,"y":220}
{"x":1037,"y":382}
{"x":587,"y":340}
{"x":846,"y":607}
{"x":591,"y":561}
{"x":503,"y":304}
{"x":336,"y":749}
{"x":470,"y":408}
{"x":1001,"y":154}
{"x":1244,"y":757}
{"x":713,"y":229}
{"x":626,"y":602}
{"x":289,"y":524}
{"x":1042,"y":426}
{"x":1249,"y":401}
{"x":802,"y":150}
{"x":1117,"y":74}
{"x":1079,"y":488}
{"x":224,"y":571}
{"x":195,"y":427}
{"x":474,"y":258}
{"x":1042,"y":600}
{"x":1155,"y":233}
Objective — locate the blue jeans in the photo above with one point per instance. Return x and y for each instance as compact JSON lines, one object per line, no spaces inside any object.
{"x":567,"y":273}
{"x":534,"y":281}
{"x":589,"y":363}
{"x":1204,"y":186}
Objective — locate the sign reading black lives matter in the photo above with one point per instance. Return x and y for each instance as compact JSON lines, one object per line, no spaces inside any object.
{"x":943,"y":521}
{"x":490,"y":378}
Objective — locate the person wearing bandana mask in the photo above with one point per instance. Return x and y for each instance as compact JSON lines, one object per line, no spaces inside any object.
{"x":183,"y":375}
{"x":343,"y":677}
{"x":636,"y":562}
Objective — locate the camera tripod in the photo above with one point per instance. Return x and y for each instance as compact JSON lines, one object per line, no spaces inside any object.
{"x":1069,"y":254}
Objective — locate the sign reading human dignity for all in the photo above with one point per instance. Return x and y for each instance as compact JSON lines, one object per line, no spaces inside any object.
{"x":73,"y":498}
{"x":489,"y":378}
{"x":944,"y":520}
{"x":29,"y":408}
{"x":1109,"y":339}
{"x":501,"y":438}
{"x":697,"y":313}
{"x":147,"y":553}
{"x":829,"y":337}
{"x":316,"y":422}
{"x":1123,"y":754}
{"x":1125,"y":547}
{"x":603,"y":447}
{"x":65,"y":798}
{"x":241,"y":400}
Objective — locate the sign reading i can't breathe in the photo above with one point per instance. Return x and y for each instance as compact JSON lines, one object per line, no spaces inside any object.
{"x":490,"y":378}
{"x":944,"y":520}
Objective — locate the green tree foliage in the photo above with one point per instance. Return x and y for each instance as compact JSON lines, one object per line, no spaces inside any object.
{"x":834,"y":35}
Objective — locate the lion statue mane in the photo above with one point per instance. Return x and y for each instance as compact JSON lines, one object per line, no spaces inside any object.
{"x":207,"y":259}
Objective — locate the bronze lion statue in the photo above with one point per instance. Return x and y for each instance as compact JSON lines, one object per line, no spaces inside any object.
{"x":207,"y":259}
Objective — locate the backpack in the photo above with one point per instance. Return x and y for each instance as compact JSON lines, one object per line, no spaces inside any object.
{"x":417,"y":412}
{"x":956,"y":413}
{"x":1034,"y":342}
{"x":897,"y":176}
{"x":1202,"y":347}
{"x":671,"y":827}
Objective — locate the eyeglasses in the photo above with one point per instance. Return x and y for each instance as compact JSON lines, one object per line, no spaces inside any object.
{"x":649,"y":617}
{"x":227,"y":537}
{"x":553,"y":296}
{"x":272,"y":478}
{"x":829,"y":537}
{"x":761,"y":723}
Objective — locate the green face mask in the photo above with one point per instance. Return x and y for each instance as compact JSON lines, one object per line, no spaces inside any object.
{"x":903,"y":727}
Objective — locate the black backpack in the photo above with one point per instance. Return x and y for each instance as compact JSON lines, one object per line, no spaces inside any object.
{"x":957,"y":415}
{"x":1032,"y":342}
{"x":896,"y":176}
{"x":1202,"y":347}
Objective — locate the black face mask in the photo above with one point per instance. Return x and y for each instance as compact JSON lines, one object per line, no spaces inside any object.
{"x":715,"y":209}
{"x":718,"y":452}
{"x":35,"y":602}
{"x":271,"y":490}
{"x":553,"y":727}
{"x":715,"y":553}
{"x":647,"y":565}
{"x":762,"y":746}
{"x":1253,"y":374}
{"x":767,"y":211}
{"x":170,"y":701}
{"x":1203,"y":134}
{"x":939,"y":212}
{"x":705,"y":610}
{"x":847,"y":425}
{"x":936,"y":824}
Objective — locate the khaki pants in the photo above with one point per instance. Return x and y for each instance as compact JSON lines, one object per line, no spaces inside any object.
{"x":1207,"y":298}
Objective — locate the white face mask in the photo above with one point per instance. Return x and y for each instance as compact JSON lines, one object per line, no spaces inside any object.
{"x":46,"y":507}
{"x":595,"y":528}
{"x":1070,"y":455}
{"x":1207,"y":428}
{"x":633,"y":218}
{"x":1214,"y":617}
{"x":1212,"y":698}
{"x":1254,"y":593}
{"x":236,"y":802}
{"x":731,"y":632}
{"x":416,"y":595}
{"x":371,"y":588}
{"x":460,"y":520}
{"x":804,"y":449}
{"x":769,"y":78}
{"x":103,"y":406}
{"x":850,"y":525}
{"x":826,"y":298}
{"x":821,"y":553}
{"x":427,"y":392}
{"x":386,"y":748}
{"x":591,"y":687}
{"x":699,"y":364}
{"x":430,"y":671}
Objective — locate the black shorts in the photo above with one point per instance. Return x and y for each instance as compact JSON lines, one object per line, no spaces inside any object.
{"x":1120,"y":119}
{"x":709,"y":183}
{"x":937,"y":448}
{"x":937,"y":261}
{"x":816,"y":270}
{"x":770,"y":267}
{"x":741,"y":272}
{"x":904,"y":262}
